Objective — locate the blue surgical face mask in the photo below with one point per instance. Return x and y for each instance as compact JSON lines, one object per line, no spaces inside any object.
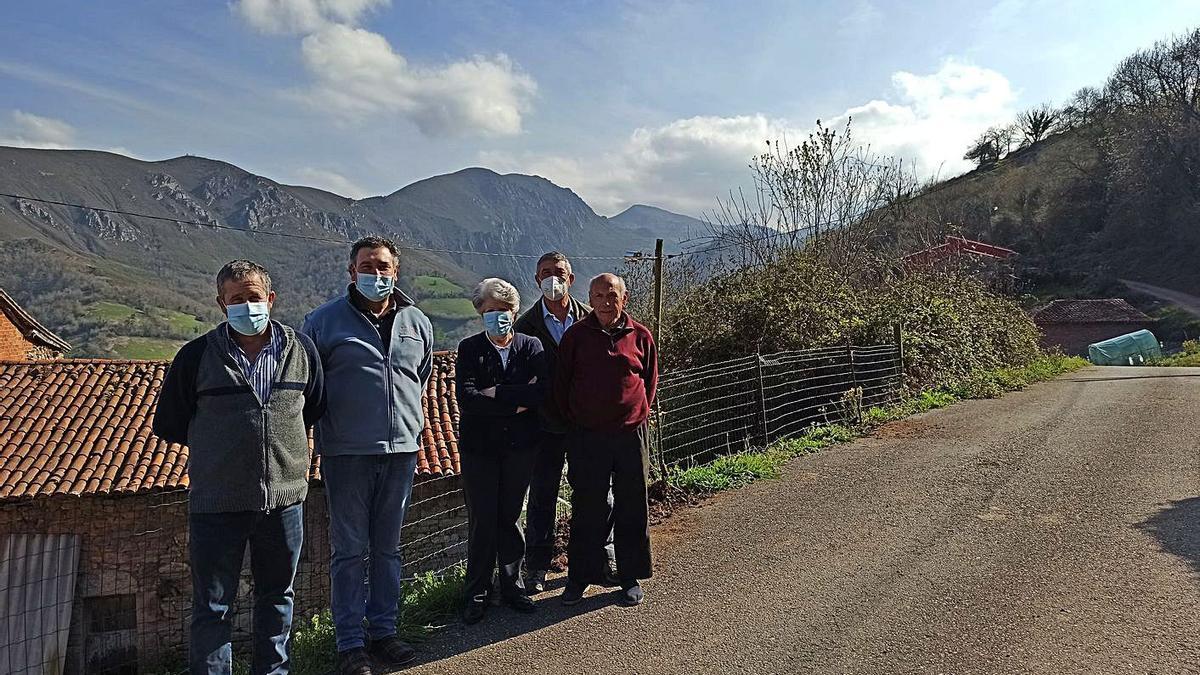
{"x":375,"y":287}
{"x":249,"y":318}
{"x":498,"y":324}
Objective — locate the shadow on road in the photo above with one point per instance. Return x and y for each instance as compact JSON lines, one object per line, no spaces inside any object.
{"x":502,"y":623}
{"x":1177,"y":528}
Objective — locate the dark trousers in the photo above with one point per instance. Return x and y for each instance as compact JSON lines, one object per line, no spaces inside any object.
{"x":541,"y":515}
{"x":494,"y":482}
{"x":368,"y":499}
{"x":217,"y":543}
{"x":593,"y":459}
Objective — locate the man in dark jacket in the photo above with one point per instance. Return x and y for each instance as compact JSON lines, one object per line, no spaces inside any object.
{"x":242,"y":398}
{"x":555,"y":311}
{"x":605,"y":380}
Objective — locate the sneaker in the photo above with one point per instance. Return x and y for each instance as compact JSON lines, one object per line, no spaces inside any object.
{"x":391,"y":652}
{"x":473,"y":612}
{"x":536,"y":582}
{"x":520,"y":602}
{"x":573,"y":593}
{"x":354,"y":662}
{"x":631,"y":594}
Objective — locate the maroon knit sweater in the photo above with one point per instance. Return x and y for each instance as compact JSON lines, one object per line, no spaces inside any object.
{"x":606,"y":382}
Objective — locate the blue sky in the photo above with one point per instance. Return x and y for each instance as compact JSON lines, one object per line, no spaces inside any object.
{"x":625,"y":102}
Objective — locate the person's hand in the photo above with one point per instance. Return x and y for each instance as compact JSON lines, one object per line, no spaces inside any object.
{"x":490,"y":392}
{"x":521,"y":409}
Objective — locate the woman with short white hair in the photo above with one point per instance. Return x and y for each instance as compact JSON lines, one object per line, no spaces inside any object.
{"x":500,"y":381}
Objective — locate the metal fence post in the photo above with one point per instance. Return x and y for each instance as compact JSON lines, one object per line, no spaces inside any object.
{"x":854,"y":382}
{"x":762,"y":401}
{"x":898,"y":337}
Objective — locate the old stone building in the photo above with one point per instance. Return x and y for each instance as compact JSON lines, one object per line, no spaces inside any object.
{"x":94,"y":574}
{"x":23,"y":338}
{"x":1072,"y":325}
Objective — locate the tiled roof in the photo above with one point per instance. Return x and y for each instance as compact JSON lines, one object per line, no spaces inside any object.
{"x":1111,"y":310}
{"x":82,"y":426}
{"x":956,"y":245}
{"x":29,"y":326}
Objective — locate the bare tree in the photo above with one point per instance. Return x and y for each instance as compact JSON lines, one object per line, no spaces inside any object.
{"x":828,"y":195}
{"x":1086,"y":107}
{"x":1036,"y":123}
{"x":992,"y":145}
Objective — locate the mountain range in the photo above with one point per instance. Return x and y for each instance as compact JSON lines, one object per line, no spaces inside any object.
{"x":138,"y":285}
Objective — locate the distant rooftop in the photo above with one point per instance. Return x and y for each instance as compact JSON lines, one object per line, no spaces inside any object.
{"x":1109,"y":310}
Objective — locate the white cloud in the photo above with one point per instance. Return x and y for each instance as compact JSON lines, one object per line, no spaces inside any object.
{"x":331,"y":181}
{"x":358,"y":76}
{"x":687,"y":164}
{"x":303,"y":16}
{"x":27,"y":130}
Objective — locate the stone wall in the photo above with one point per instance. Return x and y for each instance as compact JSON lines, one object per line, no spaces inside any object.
{"x":133,"y":549}
{"x":13,"y":345}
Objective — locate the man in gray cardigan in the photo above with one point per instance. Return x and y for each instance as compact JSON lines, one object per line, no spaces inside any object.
{"x":377,"y":350}
{"x":242,"y":398}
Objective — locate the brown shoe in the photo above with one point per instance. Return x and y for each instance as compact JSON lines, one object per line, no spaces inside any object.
{"x":354,"y":662}
{"x":391,"y":652}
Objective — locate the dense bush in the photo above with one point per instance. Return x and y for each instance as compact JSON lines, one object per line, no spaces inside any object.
{"x":953,"y":326}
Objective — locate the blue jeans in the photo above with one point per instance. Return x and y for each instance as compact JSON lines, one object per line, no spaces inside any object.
{"x":368,"y":497}
{"x":217,"y":544}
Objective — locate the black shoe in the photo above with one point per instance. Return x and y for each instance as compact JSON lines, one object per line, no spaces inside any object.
{"x":573,"y":593}
{"x":536,"y":582}
{"x":520,"y":602}
{"x":631,"y":593}
{"x":354,"y":662}
{"x":391,"y":652}
{"x":473,"y":612}
{"x":611,"y":580}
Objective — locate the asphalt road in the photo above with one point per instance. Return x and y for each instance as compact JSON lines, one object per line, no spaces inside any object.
{"x":1055,"y":530}
{"x":1188,"y":303}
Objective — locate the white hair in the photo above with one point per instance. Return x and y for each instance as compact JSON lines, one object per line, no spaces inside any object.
{"x":616,"y":280}
{"x":494,"y":288}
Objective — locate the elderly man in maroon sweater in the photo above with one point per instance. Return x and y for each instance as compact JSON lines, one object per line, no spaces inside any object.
{"x":604,"y":382}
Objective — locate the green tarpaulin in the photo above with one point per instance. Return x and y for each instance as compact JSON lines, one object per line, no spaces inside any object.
{"x":1126,"y":350}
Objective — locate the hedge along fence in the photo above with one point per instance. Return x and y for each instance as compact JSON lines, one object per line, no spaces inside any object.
{"x":752,"y":401}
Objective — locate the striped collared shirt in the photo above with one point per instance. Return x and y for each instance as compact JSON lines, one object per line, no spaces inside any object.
{"x":261,"y":373}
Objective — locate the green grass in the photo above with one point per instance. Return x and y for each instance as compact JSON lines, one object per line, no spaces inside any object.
{"x":183,"y":323}
{"x":426,"y":286}
{"x":1189,"y":357}
{"x":155,"y":349}
{"x":113,"y":312}
{"x":739,"y":469}
{"x":457,"y":309}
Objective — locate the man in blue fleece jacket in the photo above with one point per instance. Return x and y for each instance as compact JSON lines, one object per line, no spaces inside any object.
{"x":377,"y":352}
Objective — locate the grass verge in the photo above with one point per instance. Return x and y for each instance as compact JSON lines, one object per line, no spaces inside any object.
{"x":739,"y":469}
{"x":1189,"y":357}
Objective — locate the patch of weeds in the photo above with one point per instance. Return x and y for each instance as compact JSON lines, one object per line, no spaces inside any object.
{"x":731,"y":471}
{"x":430,"y":601}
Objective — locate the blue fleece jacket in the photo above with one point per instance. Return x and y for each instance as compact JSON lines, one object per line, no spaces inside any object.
{"x":373,"y":399}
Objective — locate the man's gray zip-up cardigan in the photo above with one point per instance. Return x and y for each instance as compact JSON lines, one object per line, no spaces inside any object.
{"x":243,"y":454}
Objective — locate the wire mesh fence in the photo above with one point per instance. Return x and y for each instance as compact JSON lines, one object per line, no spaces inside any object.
{"x":753,"y":401}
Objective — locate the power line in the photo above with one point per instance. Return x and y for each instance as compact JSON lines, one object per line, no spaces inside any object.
{"x":307,"y":237}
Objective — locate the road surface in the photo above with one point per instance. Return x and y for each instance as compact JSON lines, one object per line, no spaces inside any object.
{"x":1188,"y":303}
{"x":1055,"y":530}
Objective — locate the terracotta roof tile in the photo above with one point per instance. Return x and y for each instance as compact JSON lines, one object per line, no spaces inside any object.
{"x":82,"y":426}
{"x":1111,"y":310}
